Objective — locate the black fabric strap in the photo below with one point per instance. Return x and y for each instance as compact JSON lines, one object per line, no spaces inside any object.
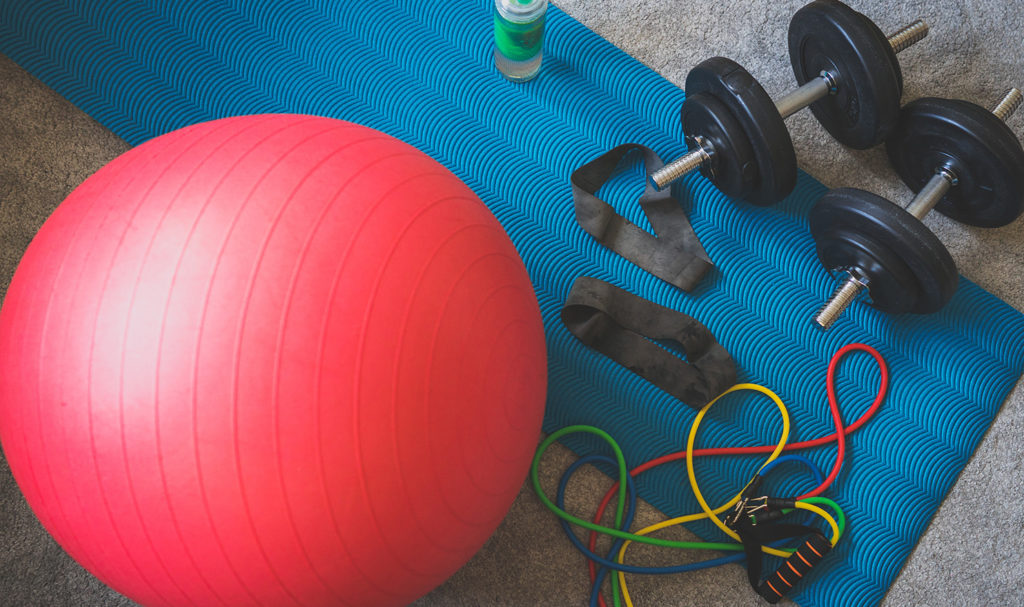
{"x":674,"y":255}
{"x":622,"y":326}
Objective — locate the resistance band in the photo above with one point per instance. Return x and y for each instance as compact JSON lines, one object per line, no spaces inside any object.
{"x":625,"y":521}
{"x":712,"y":514}
{"x":623,"y":327}
{"x":809,"y":499}
{"x":675,"y":255}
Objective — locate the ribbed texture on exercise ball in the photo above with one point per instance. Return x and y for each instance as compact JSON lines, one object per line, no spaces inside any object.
{"x":277,"y":360}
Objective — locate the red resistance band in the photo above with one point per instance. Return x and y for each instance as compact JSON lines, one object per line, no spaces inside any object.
{"x":839,"y":437}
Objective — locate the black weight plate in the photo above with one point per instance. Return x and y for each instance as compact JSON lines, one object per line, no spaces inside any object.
{"x":828,"y":35}
{"x":907,"y":267}
{"x":983,"y":152}
{"x":732,"y":167}
{"x":754,"y":110}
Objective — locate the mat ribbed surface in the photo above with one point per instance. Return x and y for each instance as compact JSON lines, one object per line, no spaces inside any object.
{"x":426,"y":76}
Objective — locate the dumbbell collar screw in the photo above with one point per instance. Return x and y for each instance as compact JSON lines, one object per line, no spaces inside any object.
{"x":831,"y":80}
{"x":947,"y":171}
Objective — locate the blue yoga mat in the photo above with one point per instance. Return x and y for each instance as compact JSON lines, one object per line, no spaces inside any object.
{"x":427,"y":76}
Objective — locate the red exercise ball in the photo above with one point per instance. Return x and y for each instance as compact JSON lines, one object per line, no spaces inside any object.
{"x":274,"y":360}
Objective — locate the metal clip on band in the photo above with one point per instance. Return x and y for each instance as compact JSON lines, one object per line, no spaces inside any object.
{"x":622,"y":326}
{"x":675,"y":255}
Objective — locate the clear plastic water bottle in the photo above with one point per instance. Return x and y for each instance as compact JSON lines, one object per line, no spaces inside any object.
{"x":518,"y":37}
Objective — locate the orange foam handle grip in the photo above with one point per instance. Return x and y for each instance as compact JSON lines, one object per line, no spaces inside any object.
{"x":793,"y":569}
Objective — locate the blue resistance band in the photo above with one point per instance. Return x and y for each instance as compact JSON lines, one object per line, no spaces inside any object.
{"x":607,"y":564}
{"x":792,"y":457}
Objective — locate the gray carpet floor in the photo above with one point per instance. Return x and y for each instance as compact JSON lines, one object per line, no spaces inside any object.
{"x":973,"y":551}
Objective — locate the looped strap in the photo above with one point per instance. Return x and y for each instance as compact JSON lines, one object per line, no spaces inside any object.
{"x":675,"y":255}
{"x":622,"y":326}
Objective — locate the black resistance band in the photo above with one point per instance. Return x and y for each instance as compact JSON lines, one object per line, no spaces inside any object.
{"x":674,"y":255}
{"x":623,"y":327}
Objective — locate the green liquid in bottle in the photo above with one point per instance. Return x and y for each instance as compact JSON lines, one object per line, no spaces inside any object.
{"x":519,"y":37}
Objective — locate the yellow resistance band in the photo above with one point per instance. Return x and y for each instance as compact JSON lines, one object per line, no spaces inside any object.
{"x":713,"y":514}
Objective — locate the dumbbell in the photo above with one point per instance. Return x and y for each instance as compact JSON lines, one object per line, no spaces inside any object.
{"x":848,"y":74}
{"x":963,"y":161}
